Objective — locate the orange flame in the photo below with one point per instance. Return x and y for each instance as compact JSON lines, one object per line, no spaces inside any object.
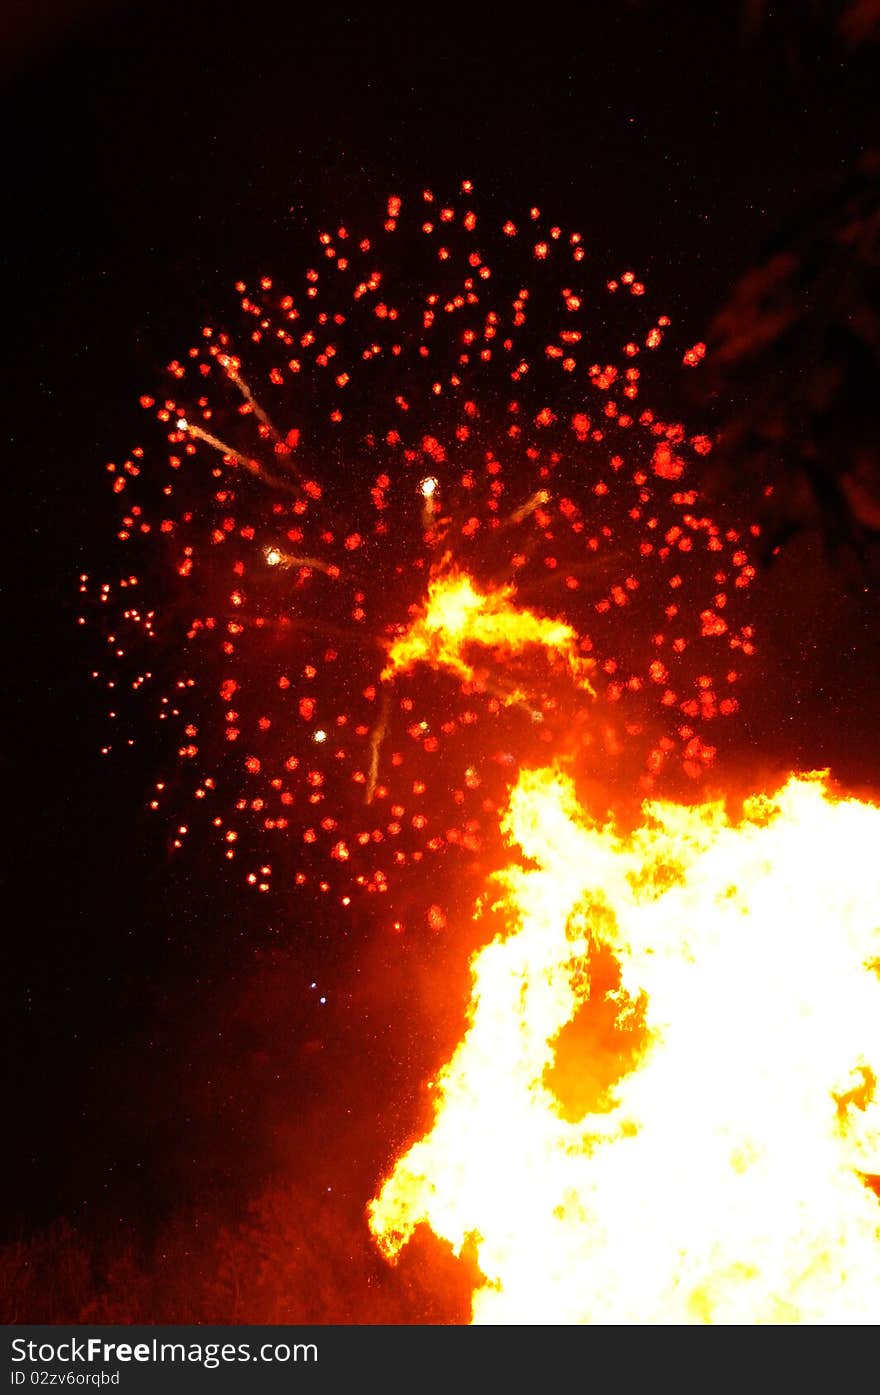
{"x":459,"y":617}
{"x":718,"y":1173}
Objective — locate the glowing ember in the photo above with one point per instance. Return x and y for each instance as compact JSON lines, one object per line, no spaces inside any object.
{"x":664,"y":1107}
{"x":452,"y":400}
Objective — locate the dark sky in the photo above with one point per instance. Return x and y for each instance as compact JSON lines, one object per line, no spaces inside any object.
{"x":153,"y":154}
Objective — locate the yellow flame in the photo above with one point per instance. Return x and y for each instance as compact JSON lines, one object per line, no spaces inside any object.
{"x":458,"y":616}
{"x":719,"y":1174}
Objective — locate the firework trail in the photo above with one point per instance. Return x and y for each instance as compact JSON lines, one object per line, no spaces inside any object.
{"x":416,"y":525}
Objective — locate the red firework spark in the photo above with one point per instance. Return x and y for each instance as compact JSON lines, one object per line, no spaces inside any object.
{"x":449,"y":392}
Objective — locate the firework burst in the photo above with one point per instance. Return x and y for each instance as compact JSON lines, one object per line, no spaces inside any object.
{"x":414,"y":526}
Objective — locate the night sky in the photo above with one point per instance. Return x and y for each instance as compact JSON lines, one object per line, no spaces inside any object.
{"x":166,"y":1048}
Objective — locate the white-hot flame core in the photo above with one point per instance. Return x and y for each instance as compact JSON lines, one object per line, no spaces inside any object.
{"x":721,"y":1179}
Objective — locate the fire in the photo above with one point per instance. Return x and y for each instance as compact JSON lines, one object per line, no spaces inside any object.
{"x":708,"y":1158}
{"x":459,"y":617}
